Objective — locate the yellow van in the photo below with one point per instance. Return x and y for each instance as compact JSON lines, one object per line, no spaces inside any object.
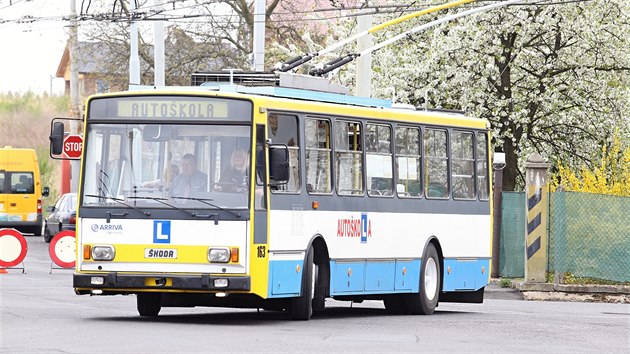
{"x":20,"y":191}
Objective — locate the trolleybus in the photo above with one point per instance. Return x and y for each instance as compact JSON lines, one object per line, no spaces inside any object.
{"x":280,"y":198}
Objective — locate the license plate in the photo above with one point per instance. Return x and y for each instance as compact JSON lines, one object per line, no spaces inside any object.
{"x":162,"y":253}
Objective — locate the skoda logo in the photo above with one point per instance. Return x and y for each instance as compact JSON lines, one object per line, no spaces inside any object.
{"x":94,"y":227}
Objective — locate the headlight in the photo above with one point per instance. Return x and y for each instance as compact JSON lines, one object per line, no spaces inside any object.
{"x":218,"y":255}
{"x":103,"y":253}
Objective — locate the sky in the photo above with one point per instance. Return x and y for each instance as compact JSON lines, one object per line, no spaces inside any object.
{"x":31,"y":52}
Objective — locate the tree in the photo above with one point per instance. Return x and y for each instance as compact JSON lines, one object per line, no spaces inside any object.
{"x":610,"y":176}
{"x":202,"y":36}
{"x":550,"y":78}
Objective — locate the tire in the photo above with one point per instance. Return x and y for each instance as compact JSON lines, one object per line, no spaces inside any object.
{"x":395,"y":304}
{"x":425,"y":302}
{"x":302,"y":306}
{"x":37,"y":230}
{"x":321,"y":272}
{"x":47,"y":236}
{"x":149,"y":304}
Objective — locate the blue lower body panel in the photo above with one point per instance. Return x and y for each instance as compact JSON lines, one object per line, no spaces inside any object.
{"x":374,"y":277}
{"x":284,"y":278}
{"x":465,"y":274}
{"x":364,"y":277}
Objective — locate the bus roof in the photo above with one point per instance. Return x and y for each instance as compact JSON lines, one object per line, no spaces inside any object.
{"x":313,"y":98}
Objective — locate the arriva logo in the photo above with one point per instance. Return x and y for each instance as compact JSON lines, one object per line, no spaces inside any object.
{"x":355,"y":227}
{"x":106,"y":227}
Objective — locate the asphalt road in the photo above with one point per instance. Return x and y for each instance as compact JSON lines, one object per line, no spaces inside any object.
{"x":41,"y":314}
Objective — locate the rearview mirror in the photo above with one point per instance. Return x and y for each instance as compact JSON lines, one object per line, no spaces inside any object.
{"x":157,"y":133}
{"x":279,"y":163}
{"x":56,"y":138}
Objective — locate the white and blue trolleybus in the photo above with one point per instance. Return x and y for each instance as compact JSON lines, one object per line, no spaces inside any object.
{"x":280,"y":198}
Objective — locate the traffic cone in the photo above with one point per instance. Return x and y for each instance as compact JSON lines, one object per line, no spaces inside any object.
{"x":3,"y":271}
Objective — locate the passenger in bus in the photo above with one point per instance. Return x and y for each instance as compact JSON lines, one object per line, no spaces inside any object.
{"x":190,"y":181}
{"x":170,"y":172}
{"x":234,"y":178}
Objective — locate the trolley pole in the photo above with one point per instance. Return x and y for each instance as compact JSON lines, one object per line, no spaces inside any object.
{"x":537,"y":209}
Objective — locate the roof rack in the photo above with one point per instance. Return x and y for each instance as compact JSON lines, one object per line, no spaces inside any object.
{"x":295,"y":86}
{"x":286,"y":85}
{"x":233,"y":77}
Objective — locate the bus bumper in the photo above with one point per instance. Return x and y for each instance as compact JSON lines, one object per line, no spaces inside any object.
{"x":117,"y":283}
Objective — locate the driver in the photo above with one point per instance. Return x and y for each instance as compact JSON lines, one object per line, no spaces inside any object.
{"x":190,"y":181}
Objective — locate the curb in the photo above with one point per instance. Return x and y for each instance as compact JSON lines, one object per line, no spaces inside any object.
{"x":573,"y":292}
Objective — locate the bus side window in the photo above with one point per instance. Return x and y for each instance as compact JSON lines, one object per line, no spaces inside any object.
{"x":408,"y":155}
{"x":436,"y":164}
{"x":348,"y":158}
{"x":283,"y":129}
{"x":318,"y":151}
{"x":482,"y":166}
{"x":378,"y":154}
{"x":462,"y":165}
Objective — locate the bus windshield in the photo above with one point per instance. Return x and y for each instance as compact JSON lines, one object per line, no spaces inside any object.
{"x":201,"y":166}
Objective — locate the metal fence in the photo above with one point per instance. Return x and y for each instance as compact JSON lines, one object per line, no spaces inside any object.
{"x":512,"y":257}
{"x":589,"y":236}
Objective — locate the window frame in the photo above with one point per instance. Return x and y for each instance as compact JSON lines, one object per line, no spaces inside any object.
{"x":420,"y":156}
{"x":453,"y":159}
{"x":336,"y":150}
{"x":391,"y":155}
{"x":426,"y":158}
{"x":330,"y":150}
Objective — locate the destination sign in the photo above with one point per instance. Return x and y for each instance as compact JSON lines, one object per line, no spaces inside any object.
{"x":172,"y":109}
{"x":158,"y":107}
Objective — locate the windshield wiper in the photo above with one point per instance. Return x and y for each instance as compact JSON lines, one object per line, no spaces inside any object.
{"x":207,"y":202}
{"x":162,"y":200}
{"x":119,"y":201}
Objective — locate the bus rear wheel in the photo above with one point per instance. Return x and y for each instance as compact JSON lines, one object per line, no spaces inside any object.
{"x":425,"y":302}
{"x":149,"y":304}
{"x":302,"y":306}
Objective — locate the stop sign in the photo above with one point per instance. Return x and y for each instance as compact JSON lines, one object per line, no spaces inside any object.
{"x":72,"y":146}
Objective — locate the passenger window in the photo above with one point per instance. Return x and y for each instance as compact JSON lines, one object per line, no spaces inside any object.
{"x":348,"y":158}
{"x":318,"y":152}
{"x":408,"y":156}
{"x":463,"y":166}
{"x":378,"y":154}
{"x":283,"y":129}
{"x":482,"y":166}
{"x":22,"y":183}
{"x":436,"y":164}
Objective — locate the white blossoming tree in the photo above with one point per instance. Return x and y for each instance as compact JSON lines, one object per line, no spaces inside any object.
{"x":552,"y":78}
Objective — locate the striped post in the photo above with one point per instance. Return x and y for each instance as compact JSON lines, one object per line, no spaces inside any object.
{"x":537,"y":210}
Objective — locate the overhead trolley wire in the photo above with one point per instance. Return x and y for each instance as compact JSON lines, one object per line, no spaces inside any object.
{"x":299,"y":60}
{"x":338,"y":62}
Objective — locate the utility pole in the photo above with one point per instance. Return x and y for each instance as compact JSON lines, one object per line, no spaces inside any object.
{"x":158,"y":47}
{"x":364,"y":63}
{"x":134,"y":60}
{"x":74,"y":91}
{"x":259,"y":35}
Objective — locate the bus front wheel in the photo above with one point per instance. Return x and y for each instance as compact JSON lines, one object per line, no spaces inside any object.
{"x":425,"y":302}
{"x":149,"y":304}
{"x":302,"y":306}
